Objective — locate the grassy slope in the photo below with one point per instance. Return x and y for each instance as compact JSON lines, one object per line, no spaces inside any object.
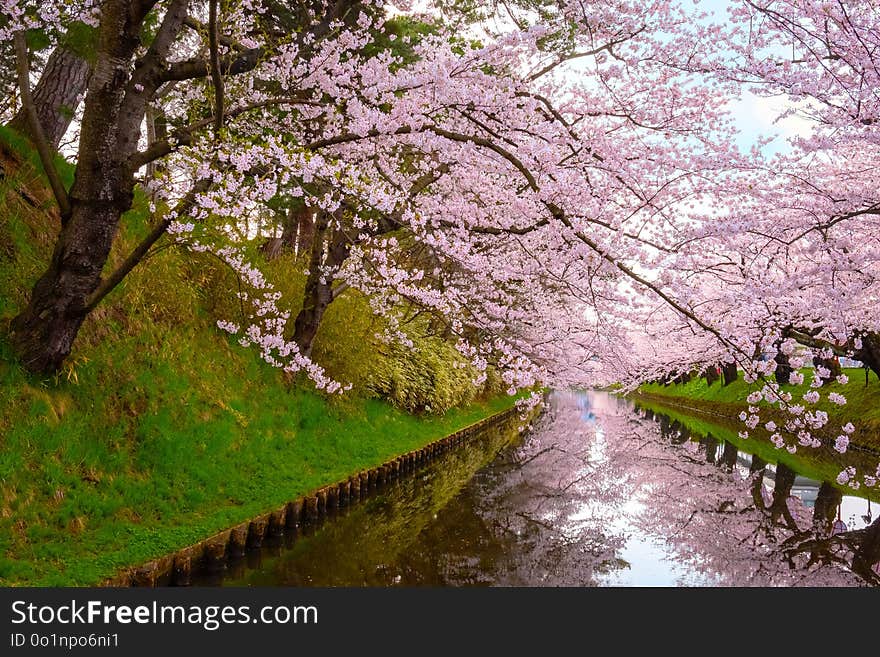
{"x":821,"y":466}
{"x":161,"y":430}
{"x":862,"y":407}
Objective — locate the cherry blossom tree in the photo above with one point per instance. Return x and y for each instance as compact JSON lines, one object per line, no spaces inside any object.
{"x":557,"y":185}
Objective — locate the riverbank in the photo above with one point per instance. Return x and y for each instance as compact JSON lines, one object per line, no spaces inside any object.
{"x":94,"y":507}
{"x":161,"y":429}
{"x":215,"y":558}
{"x":821,"y":464}
{"x":862,"y":408}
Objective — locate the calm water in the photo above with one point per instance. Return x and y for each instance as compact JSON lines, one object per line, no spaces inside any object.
{"x":600,"y":493}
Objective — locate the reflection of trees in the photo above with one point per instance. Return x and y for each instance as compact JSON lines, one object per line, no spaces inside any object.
{"x":555,"y":510}
{"x":745,"y":535}
{"x":728,"y":457}
{"x":568,"y":487}
{"x":782,"y":485}
{"x":379,"y":541}
{"x":539,"y":493}
{"x":825,"y":508}
{"x":710,"y":444}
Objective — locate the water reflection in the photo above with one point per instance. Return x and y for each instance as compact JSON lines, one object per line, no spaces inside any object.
{"x":788,"y":531}
{"x":599,"y":493}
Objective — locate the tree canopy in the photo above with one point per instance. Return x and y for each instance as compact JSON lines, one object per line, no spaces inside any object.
{"x":556,"y":184}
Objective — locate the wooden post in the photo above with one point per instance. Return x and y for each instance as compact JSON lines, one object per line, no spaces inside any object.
{"x":214,"y":554}
{"x":294,"y":513}
{"x":344,"y":492}
{"x":277,"y":522}
{"x":310,"y":511}
{"x":238,"y":539}
{"x":331,"y":495}
{"x":181,"y":573}
{"x":145,"y":575}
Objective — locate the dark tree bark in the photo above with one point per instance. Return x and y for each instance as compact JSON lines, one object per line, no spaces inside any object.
{"x":825,"y":508}
{"x":304,"y":229}
{"x":319,"y":293}
{"x":757,"y":465}
{"x":832,"y":364}
{"x":58,"y":93}
{"x":729,"y":372}
{"x":665,"y":427}
{"x":711,"y":445}
{"x":297,"y":233}
{"x":783,"y":369}
{"x":869,"y":354}
{"x":684,"y":377}
{"x":868,"y":552}
{"x":157,"y":131}
{"x":785,"y":477}
{"x":103,"y":188}
{"x":728,"y":457}
{"x":711,"y":375}
{"x":679,"y":433}
{"x":288,"y":228}
{"x":275,"y":246}
{"x":757,"y":470}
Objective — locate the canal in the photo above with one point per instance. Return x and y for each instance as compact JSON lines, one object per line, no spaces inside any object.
{"x":601,"y":492}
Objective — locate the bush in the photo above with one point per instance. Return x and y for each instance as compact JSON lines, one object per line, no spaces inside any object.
{"x":430,"y":377}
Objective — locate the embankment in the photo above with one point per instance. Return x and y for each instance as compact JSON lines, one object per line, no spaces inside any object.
{"x":727,"y":402}
{"x":160,"y":429}
{"x":228,"y":547}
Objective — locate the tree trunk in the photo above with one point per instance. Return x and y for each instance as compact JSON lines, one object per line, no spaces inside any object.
{"x":869,"y":354}
{"x":728,"y":457}
{"x":318,"y":294}
{"x":57,"y":95}
{"x":711,"y":445}
{"x":305,"y":230}
{"x":103,"y":188}
{"x":297,"y":233}
{"x":825,"y":508}
{"x":781,"y":492}
{"x":679,"y":433}
{"x":157,"y":130}
{"x":757,"y":469}
{"x":288,"y":228}
{"x":711,"y":375}
{"x":868,"y":553}
{"x":783,"y":369}
{"x":757,"y":464}
{"x":729,"y":372}
{"x":831,"y":364}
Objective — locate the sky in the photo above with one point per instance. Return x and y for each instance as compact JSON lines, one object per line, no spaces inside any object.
{"x":756,"y":116}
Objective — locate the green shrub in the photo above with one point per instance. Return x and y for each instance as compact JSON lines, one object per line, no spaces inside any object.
{"x":429,"y":377}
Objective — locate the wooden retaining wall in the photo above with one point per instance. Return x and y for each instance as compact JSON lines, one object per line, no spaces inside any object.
{"x":213,"y":553}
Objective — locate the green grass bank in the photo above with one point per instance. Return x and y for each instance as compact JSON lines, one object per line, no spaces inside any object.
{"x":821,"y":465}
{"x":161,"y":429}
{"x":862,"y":407}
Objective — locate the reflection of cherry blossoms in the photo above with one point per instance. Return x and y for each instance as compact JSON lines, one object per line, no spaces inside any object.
{"x":544,"y":495}
{"x":597,"y":486}
{"x":723,"y":518}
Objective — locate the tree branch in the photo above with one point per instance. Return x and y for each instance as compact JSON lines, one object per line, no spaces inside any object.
{"x":231,"y":64}
{"x":216,"y":74}
{"x":37,"y":132}
{"x":184,"y":136}
{"x":138,"y":253}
